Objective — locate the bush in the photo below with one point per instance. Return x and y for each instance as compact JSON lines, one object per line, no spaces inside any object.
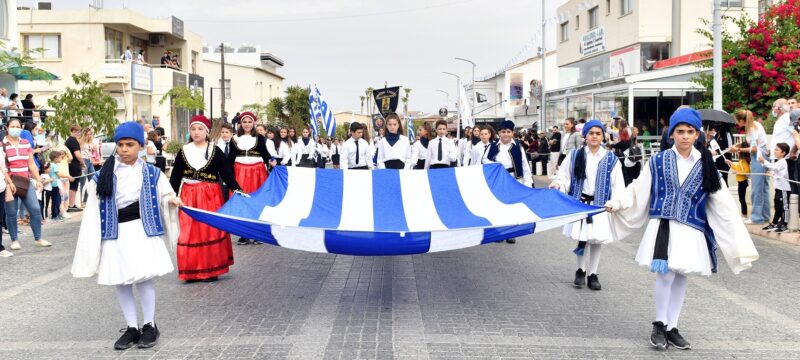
{"x":173,"y":147}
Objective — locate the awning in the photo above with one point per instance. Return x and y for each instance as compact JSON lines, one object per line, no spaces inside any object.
{"x":30,"y":73}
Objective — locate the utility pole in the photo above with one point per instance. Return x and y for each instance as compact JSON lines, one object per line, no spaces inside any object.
{"x":222,"y":71}
{"x":542,"y":103}
{"x":717,"y":28}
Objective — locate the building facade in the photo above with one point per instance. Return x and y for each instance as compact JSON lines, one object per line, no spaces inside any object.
{"x":632,"y":58}
{"x":95,"y":40}
{"x":251,"y":77}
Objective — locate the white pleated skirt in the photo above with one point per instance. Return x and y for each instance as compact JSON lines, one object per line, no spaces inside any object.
{"x":132,"y":258}
{"x":687,"y":252}
{"x":598,"y":232}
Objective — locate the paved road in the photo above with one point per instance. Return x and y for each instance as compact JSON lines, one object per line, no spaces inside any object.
{"x":493,"y":301}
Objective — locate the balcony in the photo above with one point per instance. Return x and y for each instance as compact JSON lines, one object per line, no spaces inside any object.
{"x":149,"y":78}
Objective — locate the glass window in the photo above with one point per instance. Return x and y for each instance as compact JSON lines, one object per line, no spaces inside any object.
{"x":731,"y":3}
{"x":577,"y":22}
{"x":556,"y":113}
{"x":113,"y":44}
{"x":565,"y":31}
{"x":227,"y":88}
{"x":593,"y":18}
{"x":194,"y":62}
{"x":626,"y":6}
{"x":608,"y":105}
{"x":50,"y":44}
{"x":138,"y":45}
{"x":3,"y":19}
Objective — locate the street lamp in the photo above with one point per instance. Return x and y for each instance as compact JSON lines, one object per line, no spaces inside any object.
{"x":446,"y":97}
{"x":472,"y":100}
{"x":458,"y":87}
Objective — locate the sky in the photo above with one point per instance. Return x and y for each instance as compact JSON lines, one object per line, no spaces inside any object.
{"x":346,"y":46}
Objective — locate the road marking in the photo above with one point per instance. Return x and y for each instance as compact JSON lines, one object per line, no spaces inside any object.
{"x":34,"y":283}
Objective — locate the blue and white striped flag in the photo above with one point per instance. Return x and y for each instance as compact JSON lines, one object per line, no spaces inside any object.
{"x":410,"y":127}
{"x":313,"y":110}
{"x":328,"y":121}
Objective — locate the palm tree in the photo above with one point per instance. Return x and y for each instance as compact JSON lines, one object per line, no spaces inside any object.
{"x":362,"y":103}
{"x":404,"y":99}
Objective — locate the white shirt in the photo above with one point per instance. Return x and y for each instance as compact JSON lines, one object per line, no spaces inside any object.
{"x":271,"y":148}
{"x":349,"y":154}
{"x":504,"y":157}
{"x":418,"y":152}
{"x":284,"y":153}
{"x":151,"y":158}
{"x":781,"y":172}
{"x":128,"y":55}
{"x":401,"y":150}
{"x":782,"y":132}
{"x":464,"y":146}
{"x":685,"y":165}
{"x":758,"y":137}
{"x":129,"y":182}
{"x":592,"y":163}
{"x":221,"y":145}
{"x":478,"y":153}
{"x":336,"y":149}
{"x":449,"y":152}
{"x":247,"y":142}
{"x":323,"y":150}
{"x":301,"y":149}
{"x":196,"y":156}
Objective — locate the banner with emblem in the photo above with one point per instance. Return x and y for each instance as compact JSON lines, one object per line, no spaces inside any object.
{"x":387,"y":99}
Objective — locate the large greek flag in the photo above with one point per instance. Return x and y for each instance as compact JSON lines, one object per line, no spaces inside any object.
{"x":392,"y":212}
{"x":313,"y":112}
{"x":326,"y":114}
{"x":410,"y":130}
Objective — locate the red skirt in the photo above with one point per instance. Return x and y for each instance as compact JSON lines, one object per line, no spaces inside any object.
{"x":250,"y":176}
{"x":203,"y":251}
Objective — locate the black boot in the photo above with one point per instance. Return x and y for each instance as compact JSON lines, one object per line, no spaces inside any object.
{"x":242,"y":241}
{"x":658,"y":337}
{"x":129,"y":338}
{"x":511,"y":241}
{"x":211,"y":279}
{"x":580,"y":278}
{"x":675,"y":339}
{"x":593,"y":282}
{"x":149,"y":336}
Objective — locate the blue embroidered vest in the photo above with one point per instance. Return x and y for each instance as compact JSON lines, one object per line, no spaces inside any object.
{"x":148,"y":206}
{"x":516,"y":156}
{"x":602,"y":183}
{"x":669,"y":199}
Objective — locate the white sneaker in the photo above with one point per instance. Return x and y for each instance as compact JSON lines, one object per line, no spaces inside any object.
{"x":43,"y":243}
{"x":748,"y":222}
{"x":66,"y":216}
{"x":6,"y":253}
{"x":15,"y":245}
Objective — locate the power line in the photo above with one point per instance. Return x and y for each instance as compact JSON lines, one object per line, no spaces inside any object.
{"x":339,"y":17}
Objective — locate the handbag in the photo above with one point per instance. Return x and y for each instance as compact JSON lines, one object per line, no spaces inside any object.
{"x":20,"y":182}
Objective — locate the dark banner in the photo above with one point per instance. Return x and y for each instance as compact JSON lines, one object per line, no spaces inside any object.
{"x":387,"y":99}
{"x":378,"y":122}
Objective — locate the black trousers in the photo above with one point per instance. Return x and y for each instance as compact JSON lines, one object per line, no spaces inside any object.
{"x":781,"y":207}
{"x":742,"y":190}
{"x":544,"y":158}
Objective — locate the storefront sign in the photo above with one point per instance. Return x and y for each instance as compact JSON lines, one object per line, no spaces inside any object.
{"x":178,"y":79}
{"x":593,"y":41}
{"x":625,"y":61}
{"x":141,"y":77}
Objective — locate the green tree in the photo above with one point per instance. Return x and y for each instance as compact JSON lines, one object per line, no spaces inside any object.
{"x":404,"y":99}
{"x":343,"y":130}
{"x":18,"y":63}
{"x":85,"y":106}
{"x":760,"y":62}
{"x":296,"y":107}
{"x":183,"y":98}
{"x":275,"y":111}
{"x":261,"y":111}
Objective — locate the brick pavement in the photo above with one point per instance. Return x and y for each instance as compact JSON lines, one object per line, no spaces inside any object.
{"x":494,"y":301}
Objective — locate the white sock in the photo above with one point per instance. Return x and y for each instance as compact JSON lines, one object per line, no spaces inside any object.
{"x":581,"y":262}
{"x":663,"y":287}
{"x":594,"y":258}
{"x":128,"y":304}
{"x":147,"y":295}
{"x":676,"y":298}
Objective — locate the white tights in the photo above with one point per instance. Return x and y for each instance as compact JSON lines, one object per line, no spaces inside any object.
{"x":670,"y":293}
{"x":147,"y":295}
{"x":594,"y":258}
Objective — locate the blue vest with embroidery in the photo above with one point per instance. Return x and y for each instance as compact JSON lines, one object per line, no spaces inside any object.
{"x":669,"y":199}
{"x":516,"y":156}
{"x":602,"y":183}
{"x":148,"y":206}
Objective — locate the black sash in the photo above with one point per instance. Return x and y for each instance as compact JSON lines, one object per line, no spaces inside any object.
{"x":129,"y":213}
{"x":394,"y":164}
{"x":420,"y":164}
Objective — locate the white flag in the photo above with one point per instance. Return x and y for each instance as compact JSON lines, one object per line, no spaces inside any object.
{"x":464,"y":109}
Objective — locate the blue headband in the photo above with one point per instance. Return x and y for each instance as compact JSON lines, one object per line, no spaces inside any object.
{"x":129,"y":130}
{"x":686,"y":116}
{"x":590,"y":124}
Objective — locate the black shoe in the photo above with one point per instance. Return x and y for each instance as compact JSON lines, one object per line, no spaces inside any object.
{"x":580,"y":278}
{"x":781,"y":229}
{"x":211,"y":279}
{"x":511,"y":241}
{"x":769,"y":227}
{"x":593,"y":282}
{"x":675,"y":339}
{"x":129,"y":338}
{"x":658,"y":337}
{"x":74,"y":208}
{"x":149,"y":336}
{"x":243,"y":241}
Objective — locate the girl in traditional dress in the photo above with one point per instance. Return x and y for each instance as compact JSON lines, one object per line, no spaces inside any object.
{"x":130,"y":209}
{"x":590,"y":174}
{"x":394,"y":149}
{"x":250,"y":158}
{"x":687,"y":219}
{"x":204,"y":253}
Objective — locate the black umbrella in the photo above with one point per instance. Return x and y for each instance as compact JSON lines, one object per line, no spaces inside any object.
{"x":716,"y":116}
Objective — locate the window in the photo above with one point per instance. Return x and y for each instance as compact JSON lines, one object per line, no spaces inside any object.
{"x":49,"y":43}
{"x":194,"y":62}
{"x":593,"y":18}
{"x":138,"y":45}
{"x":227,"y":88}
{"x":732,"y":3}
{"x":114,"y":49}
{"x":608,"y":7}
{"x":565,"y":31}
{"x":626,"y":7}
{"x":577,"y":22}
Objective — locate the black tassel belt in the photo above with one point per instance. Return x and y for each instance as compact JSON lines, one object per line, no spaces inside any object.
{"x":129,"y":213}
{"x":587,"y":199}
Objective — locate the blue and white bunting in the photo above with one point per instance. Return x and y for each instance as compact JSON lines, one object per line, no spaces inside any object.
{"x":392,"y":212}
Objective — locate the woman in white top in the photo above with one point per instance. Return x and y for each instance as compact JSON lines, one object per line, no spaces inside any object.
{"x":394,"y":149}
{"x":323,"y":153}
{"x":757,"y":144}
{"x":305,"y":149}
{"x":478,"y":152}
{"x":419,"y":151}
{"x":283,"y":148}
{"x":336,"y":151}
